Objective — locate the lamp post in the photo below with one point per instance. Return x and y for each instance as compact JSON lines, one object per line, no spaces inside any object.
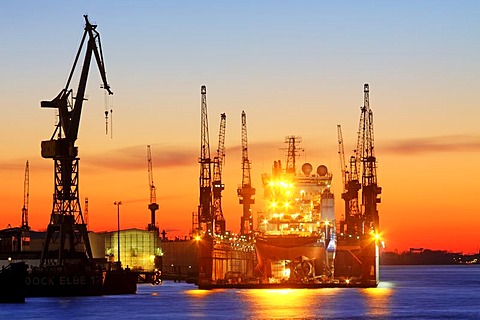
{"x":118,"y":203}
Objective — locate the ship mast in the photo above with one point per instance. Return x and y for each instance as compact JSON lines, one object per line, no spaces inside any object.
{"x":292,"y":153}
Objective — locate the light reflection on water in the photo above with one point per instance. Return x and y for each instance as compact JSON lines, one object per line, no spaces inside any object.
{"x":297,"y":303}
{"x":406,"y":292}
{"x":284,"y":303}
{"x":378,"y":299}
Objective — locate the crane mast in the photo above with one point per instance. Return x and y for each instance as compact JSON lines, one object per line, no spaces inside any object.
{"x":205,"y":215}
{"x":26,"y":196}
{"x":153,"y":205}
{"x":218,"y":186}
{"x":66,"y":220}
{"x":370,"y":189}
{"x":246,"y":191}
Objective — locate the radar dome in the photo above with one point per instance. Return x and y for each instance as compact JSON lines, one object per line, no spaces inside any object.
{"x":322,"y":170}
{"x":307,"y":168}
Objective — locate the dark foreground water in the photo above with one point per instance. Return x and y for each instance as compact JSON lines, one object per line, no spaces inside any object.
{"x":405,"y":292}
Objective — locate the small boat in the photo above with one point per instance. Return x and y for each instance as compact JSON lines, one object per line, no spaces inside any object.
{"x":12,"y":283}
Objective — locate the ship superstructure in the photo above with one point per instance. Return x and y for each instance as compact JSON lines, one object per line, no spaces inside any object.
{"x":296,"y":239}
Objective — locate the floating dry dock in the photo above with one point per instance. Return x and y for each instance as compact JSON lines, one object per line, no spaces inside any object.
{"x":297,"y":243}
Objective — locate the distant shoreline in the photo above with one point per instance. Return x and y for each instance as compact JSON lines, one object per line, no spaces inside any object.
{"x":420,"y":256}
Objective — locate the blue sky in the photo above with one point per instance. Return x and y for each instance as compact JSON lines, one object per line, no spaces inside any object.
{"x":295,"y":67}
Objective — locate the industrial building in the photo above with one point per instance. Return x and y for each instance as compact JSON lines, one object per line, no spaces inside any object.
{"x":139,"y":249}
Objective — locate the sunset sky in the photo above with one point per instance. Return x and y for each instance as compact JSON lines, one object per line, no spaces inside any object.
{"x":295,"y":67}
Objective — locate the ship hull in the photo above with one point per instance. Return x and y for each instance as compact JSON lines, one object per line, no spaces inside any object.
{"x":358,"y":261}
{"x":289,"y":248}
{"x":54,"y":283}
{"x":355,"y":264}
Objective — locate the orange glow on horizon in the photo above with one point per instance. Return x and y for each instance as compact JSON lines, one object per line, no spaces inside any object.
{"x":400,"y":224}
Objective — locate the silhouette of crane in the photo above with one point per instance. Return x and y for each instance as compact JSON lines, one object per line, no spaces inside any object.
{"x":153,"y":205}
{"x":26,"y":196}
{"x":205,"y":214}
{"x":66,"y":220}
{"x":217,"y":184}
{"x":370,"y":189}
{"x":246,"y":192}
{"x":362,"y":176}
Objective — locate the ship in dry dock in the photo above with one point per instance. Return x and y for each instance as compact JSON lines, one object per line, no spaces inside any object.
{"x":296,"y":233}
{"x":298,"y":242}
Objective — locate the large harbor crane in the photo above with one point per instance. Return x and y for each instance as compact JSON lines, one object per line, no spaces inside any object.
{"x":205,"y":214}
{"x":357,"y":255}
{"x":66,"y":220}
{"x":217,"y":184}
{"x":370,"y":189}
{"x":153,"y":205}
{"x":246,"y":191}
{"x":362,"y":176}
{"x":26,"y":196}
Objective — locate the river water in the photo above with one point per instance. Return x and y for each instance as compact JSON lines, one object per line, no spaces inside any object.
{"x":405,"y":292}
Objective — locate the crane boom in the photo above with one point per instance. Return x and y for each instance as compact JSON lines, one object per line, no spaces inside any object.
{"x":70,"y":119}
{"x":153,"y":193}
{"x":26,"y":196}
{"x":341,"y":153}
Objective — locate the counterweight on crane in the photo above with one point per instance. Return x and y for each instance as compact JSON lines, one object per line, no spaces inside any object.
{"x":205,"y":214}
{"x":246,"y":191}
{"x":66,"y":220}
{"x":218,"y":186}
{"x":153,"y":205}
{"x":26,"y":196}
